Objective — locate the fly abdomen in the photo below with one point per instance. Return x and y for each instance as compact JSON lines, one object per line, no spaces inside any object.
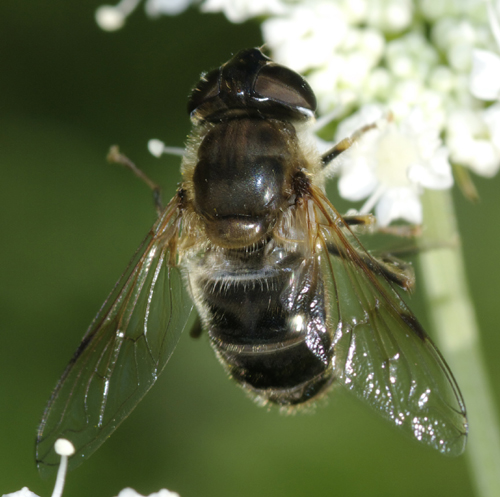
{"x":272,"y":342}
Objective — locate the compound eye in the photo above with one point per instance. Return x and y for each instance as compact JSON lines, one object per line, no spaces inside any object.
{"x":280,"y":84}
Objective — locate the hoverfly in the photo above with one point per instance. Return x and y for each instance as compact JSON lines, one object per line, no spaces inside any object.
{"x":291,"y":301}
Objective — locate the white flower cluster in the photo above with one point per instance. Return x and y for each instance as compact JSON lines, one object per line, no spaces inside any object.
{"x":392,"y":163}
{"x":422,"y":70}
{"x":411,"y":60}
{"x":66,"y":449}
{"x":126,"y":492}
{"x":112,"y":17}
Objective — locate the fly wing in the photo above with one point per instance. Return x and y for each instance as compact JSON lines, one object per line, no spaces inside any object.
{"x":382,"y":353}
{"x":124,"y":350}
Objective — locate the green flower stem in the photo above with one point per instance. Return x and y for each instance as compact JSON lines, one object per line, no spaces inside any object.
{"x":457,"y":335}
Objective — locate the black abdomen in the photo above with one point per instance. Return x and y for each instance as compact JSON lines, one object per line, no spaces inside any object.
{"x":266,"y":325}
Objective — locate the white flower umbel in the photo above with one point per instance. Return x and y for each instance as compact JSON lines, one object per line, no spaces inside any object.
{"x":319,"y":37}
{"x":391,"y":164}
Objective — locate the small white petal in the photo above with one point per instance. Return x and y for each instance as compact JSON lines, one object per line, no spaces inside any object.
{"x":324,"y":83}
{"x":433,"y":9}
{"x":308,"y":36}
{"x":378,"y":84}
{"x":390,"y":15}
{"x":463,"y":123}
{"x":436,"y":176}
{"x":442,"y":79}
{"x":130,"y":492}
{"x":358,"y":183}
{"x":399,"y":203}
{"x":155,"y":8}
{"x":432,"y":105}
{"x":24,"y":492}
{"x":372,"y":42}
{"x":473,"y":137}
{"x":356,"y":70}
{"x":238,"y":11}
{"x":484,"y":77}
{"x":485,"y":159}
{"x":355,"y":10}
{"x":479,"y":155}
{"x":449,"y":32}
{"x":408,"y":91}
{"x":460,"y":57}
{"x":109,"y":18}
{"x":399,"y":15}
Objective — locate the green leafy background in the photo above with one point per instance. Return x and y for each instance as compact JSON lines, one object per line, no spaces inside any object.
{"x":69,"y":223}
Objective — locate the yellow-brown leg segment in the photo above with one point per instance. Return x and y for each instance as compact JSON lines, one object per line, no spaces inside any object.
{"x":116,"y":157}
{"x":344,"y":144}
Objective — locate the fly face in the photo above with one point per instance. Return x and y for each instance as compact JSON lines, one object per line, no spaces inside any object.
{"x":291,"y":302}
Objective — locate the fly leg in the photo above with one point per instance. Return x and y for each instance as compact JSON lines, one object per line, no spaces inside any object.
{"x":344,"y":144}
{"x":367,"y":223}
{"x":196,"y":329}
{"x":393,"y":269}
{"x":362,"y":220}
{"x":116,"y":157}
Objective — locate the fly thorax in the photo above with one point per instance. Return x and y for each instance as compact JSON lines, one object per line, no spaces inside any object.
{"x":241,"y":179}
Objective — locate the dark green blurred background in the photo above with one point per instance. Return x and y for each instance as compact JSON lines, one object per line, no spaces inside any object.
{"x":70,"y":222}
